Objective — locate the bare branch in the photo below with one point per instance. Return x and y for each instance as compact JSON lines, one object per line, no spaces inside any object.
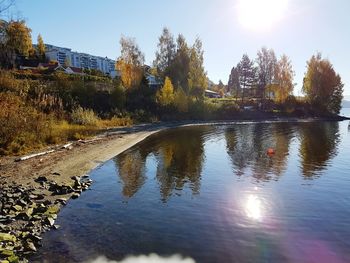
{"x":6,"y":4}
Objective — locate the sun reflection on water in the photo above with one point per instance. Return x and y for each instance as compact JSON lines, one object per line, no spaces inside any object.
{"x":253,"y":207}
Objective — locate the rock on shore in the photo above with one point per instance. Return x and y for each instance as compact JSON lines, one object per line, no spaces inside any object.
{"x":26,"y":213}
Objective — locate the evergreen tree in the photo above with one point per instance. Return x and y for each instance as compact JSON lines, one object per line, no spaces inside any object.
{"x":197,"y":77}
{"x":233,"y":85}
{"x":181,"y":64}
{"x":247,"y":74}
{"x":165,"y":54}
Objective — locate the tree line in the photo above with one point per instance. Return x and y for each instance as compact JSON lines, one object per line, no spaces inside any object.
{"x":264,"y":78}
{"x":178,"y":66}
{"x":267,"y":78}
{"x":181,"y":63}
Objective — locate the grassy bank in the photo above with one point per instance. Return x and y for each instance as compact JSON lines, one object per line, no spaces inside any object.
{"x":41,"y":110}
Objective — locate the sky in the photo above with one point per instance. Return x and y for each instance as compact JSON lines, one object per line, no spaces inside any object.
{"x":298,"y":29}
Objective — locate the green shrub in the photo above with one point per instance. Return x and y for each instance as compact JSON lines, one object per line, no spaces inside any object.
{"x":83,"y":116}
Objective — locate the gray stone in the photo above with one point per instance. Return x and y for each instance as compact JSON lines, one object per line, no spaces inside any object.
{"x":41,"y":179}
{"x":75,"y":178}
{"x":30,"y":246}
{"x":75,"y":196}
{"x":50,"y":221}
{"x":22,"y":203}
{"x":35,"y":238}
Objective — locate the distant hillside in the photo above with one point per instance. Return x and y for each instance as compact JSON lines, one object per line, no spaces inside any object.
{"x":346,"y":104}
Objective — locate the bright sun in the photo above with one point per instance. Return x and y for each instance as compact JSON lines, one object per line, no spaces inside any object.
{"x":261,"y":14}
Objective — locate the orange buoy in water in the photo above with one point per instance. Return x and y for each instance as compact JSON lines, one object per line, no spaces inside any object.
{"x":270,"y":151}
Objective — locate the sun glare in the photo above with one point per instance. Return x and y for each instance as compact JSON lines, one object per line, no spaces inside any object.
{"x":253,"y":207}
{"x":261,"y":14}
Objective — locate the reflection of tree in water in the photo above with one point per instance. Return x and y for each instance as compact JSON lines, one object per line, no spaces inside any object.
{"x":318,"y":145}
{"x":276,"y":136}
{"x":131,"y":167}
{"x":247,"y":145}
{"x":240,"y":147}
{"x":283,"y":134}
{"x":179,"y":154}
{"x":180,"y":158}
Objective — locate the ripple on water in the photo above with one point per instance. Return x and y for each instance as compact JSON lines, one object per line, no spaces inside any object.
{"x":213,"y":194}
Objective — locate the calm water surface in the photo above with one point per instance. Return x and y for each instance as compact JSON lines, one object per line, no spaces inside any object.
{"x":213,"y":194}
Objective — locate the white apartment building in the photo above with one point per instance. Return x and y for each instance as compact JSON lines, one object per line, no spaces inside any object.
{"x":65,"y":56}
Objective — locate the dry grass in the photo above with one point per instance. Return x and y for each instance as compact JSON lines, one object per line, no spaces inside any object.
{"x":55,"y":132}
{"x":115,"y":122}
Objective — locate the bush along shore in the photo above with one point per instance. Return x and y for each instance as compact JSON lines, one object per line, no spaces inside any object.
{"x":26,"y":213}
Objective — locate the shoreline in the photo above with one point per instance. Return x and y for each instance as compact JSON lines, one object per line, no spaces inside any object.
{"x":58,"y":176}
{"x":33,"y":191}
{"x":83,"y":156}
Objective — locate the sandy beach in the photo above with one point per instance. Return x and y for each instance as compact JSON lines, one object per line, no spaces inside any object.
{"x":80,"y":159}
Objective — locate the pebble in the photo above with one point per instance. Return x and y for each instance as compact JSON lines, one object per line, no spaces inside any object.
{"x":34,"y":213}
{"x":75,"y":196}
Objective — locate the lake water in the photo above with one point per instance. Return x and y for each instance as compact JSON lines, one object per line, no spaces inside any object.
{"x":212,"y":193}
